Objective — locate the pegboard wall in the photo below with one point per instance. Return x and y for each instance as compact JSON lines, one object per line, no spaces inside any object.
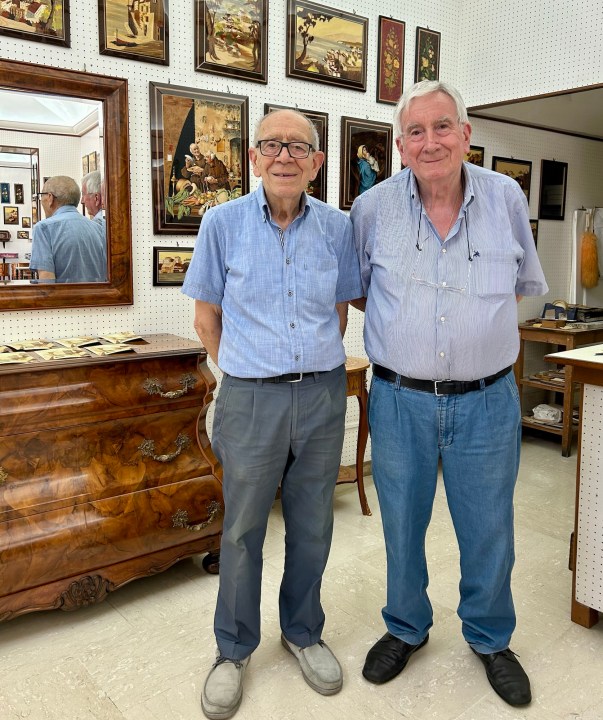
{"x":589,"y":557}
{"x":473,"y":56}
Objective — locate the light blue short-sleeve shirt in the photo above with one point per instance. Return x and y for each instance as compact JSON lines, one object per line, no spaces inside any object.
{"x":277,"y":289}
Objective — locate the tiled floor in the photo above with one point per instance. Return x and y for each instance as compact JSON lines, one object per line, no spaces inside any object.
{"x":143,"y":653}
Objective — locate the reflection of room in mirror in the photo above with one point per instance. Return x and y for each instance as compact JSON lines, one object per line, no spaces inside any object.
{"x":62,"y":130}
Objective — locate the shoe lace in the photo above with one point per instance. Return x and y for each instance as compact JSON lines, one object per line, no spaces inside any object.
{"x":220,"y":660}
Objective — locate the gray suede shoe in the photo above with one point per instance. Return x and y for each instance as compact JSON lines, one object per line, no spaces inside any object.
{"x":223,"y":689}
{"x":319,"y":666}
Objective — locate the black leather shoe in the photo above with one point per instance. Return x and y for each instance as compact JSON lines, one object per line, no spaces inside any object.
{"x":387,"y":658}
{"x":506,"y":676}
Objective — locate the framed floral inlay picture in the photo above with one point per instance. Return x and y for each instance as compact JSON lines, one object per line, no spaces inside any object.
{"x":520,"y":170}
{"x":390,"y":62}
{"x":427,"y":57}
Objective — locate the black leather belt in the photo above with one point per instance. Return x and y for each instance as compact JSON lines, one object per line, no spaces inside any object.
{"x":438,"y":387}
{"x":288,"y":378}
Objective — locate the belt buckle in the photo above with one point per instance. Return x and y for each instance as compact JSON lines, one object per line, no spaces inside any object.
{"x":435,"y":387}
{"x":299,"y":379}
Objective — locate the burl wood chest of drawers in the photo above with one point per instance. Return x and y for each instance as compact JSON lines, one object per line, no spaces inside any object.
{"x":106,"y":473}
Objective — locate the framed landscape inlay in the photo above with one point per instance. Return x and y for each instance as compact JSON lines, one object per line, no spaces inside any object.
{"x":317,"y":187}
{"x":475,"y":156}
{"x":390,"y":61}
{"x":366,"y":157}
{"x":520,"y":170}
{"x":170,"y":264}
{"x":199,"y":143}
{"x":134,"y":30}
{"x":231,"y":38}
{"x":326,"y":45}
{"x":427,"y":55}
{"x":45,"y":21}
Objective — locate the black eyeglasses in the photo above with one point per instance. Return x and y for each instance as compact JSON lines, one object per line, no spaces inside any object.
{"x":296,"y":149}
{"x":39,"y":195}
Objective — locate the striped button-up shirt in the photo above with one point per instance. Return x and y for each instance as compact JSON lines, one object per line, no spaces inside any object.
{"x":445,"y":308}
{"x":277,"y":289}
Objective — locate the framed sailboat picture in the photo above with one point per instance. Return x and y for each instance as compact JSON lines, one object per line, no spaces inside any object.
{"x":134,"y":29}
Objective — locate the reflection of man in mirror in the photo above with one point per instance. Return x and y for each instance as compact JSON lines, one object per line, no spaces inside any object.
{"x":67,"y":247}
{"x":93,"y":197}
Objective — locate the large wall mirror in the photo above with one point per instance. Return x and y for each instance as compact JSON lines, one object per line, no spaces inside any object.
{"x":95,"y":108}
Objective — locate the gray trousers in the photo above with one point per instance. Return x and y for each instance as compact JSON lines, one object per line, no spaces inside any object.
{"x":265,"y":434}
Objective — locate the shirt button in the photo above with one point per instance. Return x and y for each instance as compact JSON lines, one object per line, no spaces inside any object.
{"x":290,"y":293}
{"x":288,"y":261}
{"x":443,"y":284}
{"x":297,"y":357}
{"x":443,"y":319}
{"x":292,"y":325}
{"x":443,"y":250}
{"x":442,"y":354}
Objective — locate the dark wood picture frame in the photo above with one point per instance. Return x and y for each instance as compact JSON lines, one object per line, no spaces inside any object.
{"x":213,"y":122}
{"x":232,"y":43}
{"x":342,"y":59}
{"x":317,"y":188}
{"x":5,"y":192}
{"x":377,"y":138}
{"x":553,"y":189}
{"x":148,"y":37}
{"x":519,"y":170}
{"x":427,"y":54}
{"x":54,"y":28}
{"x":390,"y":60}
{"x":534,"y":229}
{"x":11,"y":215}
{"x":26,"y":222}
{"x":23,"y":235}
{"x":19,"y":195}
{"x":475,"y":156}
{"x":170,"y":265}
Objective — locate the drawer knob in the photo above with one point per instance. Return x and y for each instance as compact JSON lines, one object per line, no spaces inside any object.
{"x":180,"y":518}
{"x":147,"y":448}
{"x":154,"y":387}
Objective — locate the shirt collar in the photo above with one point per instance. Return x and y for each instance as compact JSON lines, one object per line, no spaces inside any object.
{"x":467,"y":198}
{"x":265,"y":209}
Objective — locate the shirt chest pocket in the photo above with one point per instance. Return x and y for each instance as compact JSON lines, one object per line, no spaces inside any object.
{"x":318,"y":278}
{"x":493,"y":277}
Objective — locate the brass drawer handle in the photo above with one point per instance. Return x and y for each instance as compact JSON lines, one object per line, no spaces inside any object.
{"x":147,"y":448}
{"x":154,"y":387}
{"x":180,"y":518}
{"x":3,"y":475}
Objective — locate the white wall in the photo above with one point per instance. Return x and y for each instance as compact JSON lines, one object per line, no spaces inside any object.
{"x":490,"y":52}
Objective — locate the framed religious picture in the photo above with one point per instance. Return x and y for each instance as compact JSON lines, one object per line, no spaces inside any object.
{"x":127,"y":30}
{"x":317,"y":187}
{"x":475,"y":156}
{"x":520,"y":170}
{"x":5,"y":192}
{"x":427,"y":55}
{"x":92,"y":162}
{"x":390,"y":60}
{"x":326,"y":45}
{"x":231,"y":38}
{"x":170,"y":264}
{"x":199,"y":143}
{"x":26,"y":222}
{"x":19,"y":199}
{"x":366,"y":157}
{"x":45,"y":21}
{"x":11,"y":215}
{"x":534,"y":228}
{"x":553,"y":187}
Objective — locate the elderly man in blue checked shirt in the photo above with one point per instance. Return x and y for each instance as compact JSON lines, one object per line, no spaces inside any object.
{"x":271,"y":275}
{"x":445,"y":251}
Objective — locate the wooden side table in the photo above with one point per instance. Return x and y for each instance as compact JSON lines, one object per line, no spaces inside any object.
{"x":564,"y":338}
{"x":356,"y":376}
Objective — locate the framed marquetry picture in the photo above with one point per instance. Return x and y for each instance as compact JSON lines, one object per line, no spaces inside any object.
{"x":553,"y":188}
{"x":475,"y":156}
{"x":427,"y":55}
{"x":44,"y":21}
{"x":231,"y":38}
{"x":134,"y":30}
{"x":170,"y":264}
{"x":5,"y":192}
{"x":317,"y":187}
{"x":11,"y":215}
{"x":366,"y":157}
{"x":326,"y":45}
{"x":520,"y":170}
{"x":199,"y":143}
{"x":390,"y":60}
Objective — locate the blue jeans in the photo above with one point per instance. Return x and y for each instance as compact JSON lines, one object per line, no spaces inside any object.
{"x":265,"y":434}
{"x":477,"y":437}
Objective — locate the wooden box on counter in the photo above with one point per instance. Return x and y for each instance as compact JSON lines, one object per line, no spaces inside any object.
{"x":106,"y":473}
